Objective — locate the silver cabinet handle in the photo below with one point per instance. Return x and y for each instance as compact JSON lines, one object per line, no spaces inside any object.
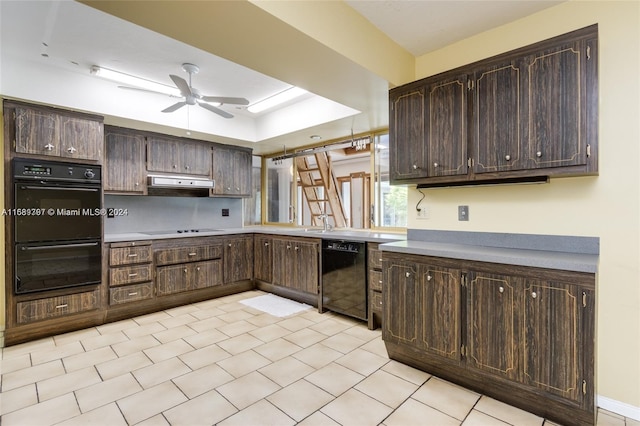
{"x":266,"y":244}
{"x":186,"y":167}
{"x":436,"y":165}
{"x":197,"y":268}
{"x":415,"y":167}
{"x":539,"y":154}
{"x":184,"y":270}
{"x":133,"y":275}
{"x":71,"y":150}
{"x":429,"y":277}
{"x":297,"y":248}
{"x":175,"y":166}
{"x":62,"y":306}
{"x":192,"y":254}
{"x":133,"y":255}
{"x":133,"y":294}
{"x":507,"y":157}
{"x":136,"y":184}
{"x":534,"y":294}
{"x":229,"y":244}
{"x":49,"y":147}
{"x":407,"y":274}
{"x":501,"y":289}
{"x":288,"y":247}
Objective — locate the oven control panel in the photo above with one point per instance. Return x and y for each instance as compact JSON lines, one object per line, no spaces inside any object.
{"x":30,"y":169}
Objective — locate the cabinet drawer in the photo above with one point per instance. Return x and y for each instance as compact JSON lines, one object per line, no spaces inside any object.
{"x":171,"y":256}
{"x":375,"y":280}
{"x":52,"y":307}
{"x":375,"y":258}
{"x":129,"y":255}
{"x":130,"y":274}
{"x":376,"y":301}
{"x":130,"y":293}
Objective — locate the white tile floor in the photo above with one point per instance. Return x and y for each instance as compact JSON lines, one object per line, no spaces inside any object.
{"x":220,"y":362}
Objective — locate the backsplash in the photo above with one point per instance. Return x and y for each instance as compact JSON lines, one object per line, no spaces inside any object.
{"x":145,"y":213}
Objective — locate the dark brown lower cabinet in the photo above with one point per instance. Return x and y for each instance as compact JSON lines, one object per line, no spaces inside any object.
{"x":518,"y":334}
{"x":190,"y":276}
{"x":238,"y":258}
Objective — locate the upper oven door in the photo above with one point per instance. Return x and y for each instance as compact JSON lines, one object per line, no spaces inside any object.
{"x":47,"y":211}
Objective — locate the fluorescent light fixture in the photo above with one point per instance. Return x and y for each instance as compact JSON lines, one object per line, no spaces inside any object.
{"x":277,"y":99}
{"x":130,"y":80}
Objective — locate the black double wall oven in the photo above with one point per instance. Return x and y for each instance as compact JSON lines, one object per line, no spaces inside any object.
{"x":57,"y":225}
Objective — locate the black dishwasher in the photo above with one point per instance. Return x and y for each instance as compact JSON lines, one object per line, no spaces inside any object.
{"x":344,"y":277}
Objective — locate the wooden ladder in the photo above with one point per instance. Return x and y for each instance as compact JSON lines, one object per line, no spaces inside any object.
{"x":326,"y":202}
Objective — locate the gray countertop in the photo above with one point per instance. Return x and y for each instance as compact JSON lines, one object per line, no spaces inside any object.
{"x":511,"y":256}
{"x":398,"y":243}
{"x":337,"y":234}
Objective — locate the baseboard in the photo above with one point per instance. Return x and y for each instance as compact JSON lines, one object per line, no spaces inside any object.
{"x":618,"y":407}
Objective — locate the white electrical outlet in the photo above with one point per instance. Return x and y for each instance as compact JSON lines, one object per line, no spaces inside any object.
{"x":423,"y":213}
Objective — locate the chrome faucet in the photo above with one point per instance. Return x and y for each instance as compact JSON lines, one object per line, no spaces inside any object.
{"x":325,"y":222}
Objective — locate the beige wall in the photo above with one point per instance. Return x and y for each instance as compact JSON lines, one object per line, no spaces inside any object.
{"x":606,"y":206}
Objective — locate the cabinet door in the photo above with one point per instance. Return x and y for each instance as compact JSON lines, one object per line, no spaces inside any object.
{"x":556,"y":129}
{"x":124,"y":162}
{"x":493,"y":309}
{"x":238,"y":259}
{"x":282,"y":262}
{"x":196,"y":158}
{"x":441,"y":310}
{"x":307,"y":265}
{"x":262,"y":258}
{"x":164,"y":155}
{"x":36,"y":132}
{"x":401,"y":301}
{"x":242,"y":163}
{"x":496,"y":135}
{"x":446,"y":128}
{"x":407,"y":150}
{"x":81,"y":138}
{"x":553,"y":333}
{"x":205,"y":274}
{"x":172,"y":279}
{"x":222,"y":171}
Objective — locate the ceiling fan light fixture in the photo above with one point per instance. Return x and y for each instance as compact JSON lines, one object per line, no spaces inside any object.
{"x":277,"y":99}
{"x":130,"y":80}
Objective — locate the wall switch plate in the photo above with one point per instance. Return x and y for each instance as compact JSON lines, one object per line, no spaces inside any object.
{"x":463,"y":213}
{"x":225,"y":212}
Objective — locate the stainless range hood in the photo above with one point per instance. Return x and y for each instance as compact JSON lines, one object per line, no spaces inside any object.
{"x":180,"y":182}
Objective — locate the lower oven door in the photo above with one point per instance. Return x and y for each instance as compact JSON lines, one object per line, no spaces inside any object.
{"x":49,"y":266}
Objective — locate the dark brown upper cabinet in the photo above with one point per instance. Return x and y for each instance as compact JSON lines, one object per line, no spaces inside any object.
{"x":168,"y":155}
{"x":51,"y":132}
{"x":531,"y":112}
{"x":124,"y":168}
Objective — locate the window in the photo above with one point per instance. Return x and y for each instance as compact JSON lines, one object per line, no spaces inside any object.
{"x":360,"y":201}
{"x":390,"y":202}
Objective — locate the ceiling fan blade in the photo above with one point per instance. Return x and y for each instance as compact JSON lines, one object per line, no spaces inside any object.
{"x":218,"y":111}
{"x":181,"y":83}
{"x":174,"y":107}
{"x":225,"y":100}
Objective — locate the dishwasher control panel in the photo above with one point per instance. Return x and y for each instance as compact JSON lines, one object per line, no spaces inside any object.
{"x":353,"y":247}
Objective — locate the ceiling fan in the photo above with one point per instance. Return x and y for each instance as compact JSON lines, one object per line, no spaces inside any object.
{"x":192,"y":96}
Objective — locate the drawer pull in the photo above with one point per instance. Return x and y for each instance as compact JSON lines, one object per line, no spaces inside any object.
{"x":429,"y":277}
{"x":501,"y":289}
{"x":185,"y":270}
{"x":297,"y":248}
{"x":192,"y":254}
{"x":198,"y":268}
{"x":62,"y":306}
{"x":229,"y":244}
{"x":380,"y":281}
{"x":135,"y":293}
{"x":133,"y":275}
{"x":71,"y":150}
{"x":534,"y":294}
{"x":407,"y":274}
{"x":133,"y":255}
{"x":49,"y":147}
{"x":266,"y":244}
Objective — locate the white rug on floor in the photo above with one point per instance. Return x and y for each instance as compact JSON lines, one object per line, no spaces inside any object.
{"x":275,"y":305}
